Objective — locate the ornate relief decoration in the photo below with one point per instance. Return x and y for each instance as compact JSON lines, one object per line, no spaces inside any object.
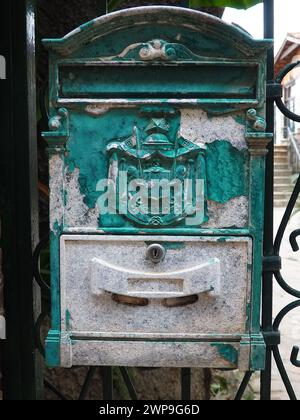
{"x":158,"y":50}
{"x":149,"y":157}
{"x":59,"y":126}
{"x":256,"y":135}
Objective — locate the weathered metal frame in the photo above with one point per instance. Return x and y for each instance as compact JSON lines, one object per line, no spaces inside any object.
{"x":20,"y":379}
{"x":249,"y":52}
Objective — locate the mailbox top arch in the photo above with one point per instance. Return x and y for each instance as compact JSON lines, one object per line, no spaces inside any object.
{"x":208,"y":30}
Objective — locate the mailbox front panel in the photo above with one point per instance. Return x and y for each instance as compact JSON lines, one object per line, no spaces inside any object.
{"x":157,"y":151}
{"x":199,"y":279}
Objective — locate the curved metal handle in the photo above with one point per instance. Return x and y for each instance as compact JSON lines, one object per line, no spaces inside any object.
{"x":293,"y":240}
{"x":294,"y":357}
{"x":203,"y":278}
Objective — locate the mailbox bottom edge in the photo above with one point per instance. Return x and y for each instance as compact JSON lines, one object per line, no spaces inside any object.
{"x":245,"y":355}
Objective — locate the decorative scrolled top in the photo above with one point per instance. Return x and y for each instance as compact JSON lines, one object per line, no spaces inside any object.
{"x":58,"y":122}
{"x":157,"y":50}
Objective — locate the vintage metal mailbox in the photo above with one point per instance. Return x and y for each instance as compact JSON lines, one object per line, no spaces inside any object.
{"x":157,"y":161}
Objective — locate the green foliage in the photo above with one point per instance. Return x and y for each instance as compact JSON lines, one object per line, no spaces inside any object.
{"x":220,"y":386}
{"x":114,"y":4}
{"x":237,"y":4}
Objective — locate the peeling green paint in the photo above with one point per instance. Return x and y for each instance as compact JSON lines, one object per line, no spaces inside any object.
{"x":227,"y":170}
{"x":248,"y":316}
{"x":222,"y":240}
{"x":53,"y":348}
{"x":240,"y":119}
{"x":226,"y":166}
{"x":258,"y":353}
{"x":68,"y":319}
{"x":227,"y":351}
{"x":55,"y":275}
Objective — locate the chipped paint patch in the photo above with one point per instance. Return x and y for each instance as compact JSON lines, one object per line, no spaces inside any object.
{"x":227,"y":351}
{"x":77,"y":213}
{"x":97,"y":109}
{"x":197,"y":127}
{"x":233,"y":213}
{"x":56,"y":168}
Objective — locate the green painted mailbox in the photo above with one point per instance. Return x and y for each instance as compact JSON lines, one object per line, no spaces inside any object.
{"x":157,"y":162}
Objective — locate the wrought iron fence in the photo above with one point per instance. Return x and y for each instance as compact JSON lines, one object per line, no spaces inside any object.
{"x":294,"y":152}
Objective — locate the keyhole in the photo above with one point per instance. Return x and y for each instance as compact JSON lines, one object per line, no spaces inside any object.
{"x":156,"y":253}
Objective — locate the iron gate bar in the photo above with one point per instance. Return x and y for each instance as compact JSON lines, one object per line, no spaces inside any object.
{"x":267,"y":284}
{"x":107,"y":380}
{"x":277,"y":356}
{"x":128,"y":383}
{"x":102,"y":7}
{"x":21,"y":371}
{"x":186,"y":384}
{"x":55,"y":391}
{"x":243,"y":386}
{"x":273,"y":337}
{"x":87,"y":383}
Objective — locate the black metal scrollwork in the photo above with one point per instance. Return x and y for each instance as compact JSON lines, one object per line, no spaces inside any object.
{"x":279,"y":237}
{"x":294,"y":356}
{"x":289,"y":114}
{"x":36,"y":264}
{"x":295,"y":246}
{"x":293,"y":240}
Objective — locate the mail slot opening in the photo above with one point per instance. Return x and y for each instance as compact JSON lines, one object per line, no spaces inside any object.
{"x":157,"y":81}
{"x":129,"y":300}
{"x":180,"y":301}
{"x":175,"y":302}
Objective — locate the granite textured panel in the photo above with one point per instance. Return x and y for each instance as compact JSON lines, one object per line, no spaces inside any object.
{"x":84,"y":311}
{"x":156,"y":354}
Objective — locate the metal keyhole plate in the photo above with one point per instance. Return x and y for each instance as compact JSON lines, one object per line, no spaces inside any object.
{"x":156,"y":253}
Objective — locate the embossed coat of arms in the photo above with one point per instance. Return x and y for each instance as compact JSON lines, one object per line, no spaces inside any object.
{"x":159,"y":179}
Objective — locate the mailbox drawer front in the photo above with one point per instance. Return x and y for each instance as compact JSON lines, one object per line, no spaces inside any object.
{"x":111,"y":288}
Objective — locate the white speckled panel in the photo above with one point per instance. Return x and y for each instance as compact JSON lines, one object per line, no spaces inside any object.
{"x":197,"y":127}
{"x":90,"y":315}
{"x":56,"y":174}
{"x":155,"y":354}
{"x":76,"y":212}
